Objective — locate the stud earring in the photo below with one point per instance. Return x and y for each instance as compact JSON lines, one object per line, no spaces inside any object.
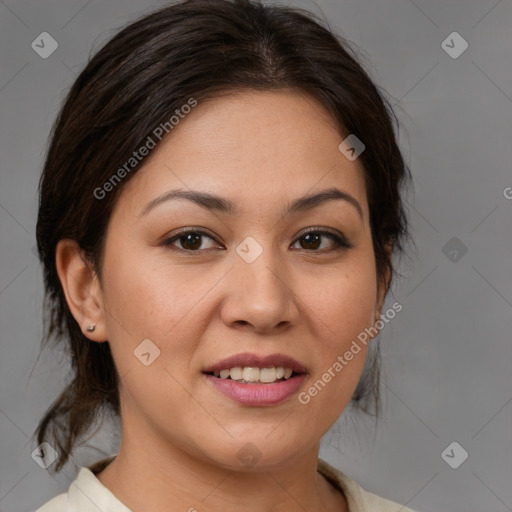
{"x":91,"y":327}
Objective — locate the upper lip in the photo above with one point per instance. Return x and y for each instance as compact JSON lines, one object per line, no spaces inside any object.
{"x":256,"y":361}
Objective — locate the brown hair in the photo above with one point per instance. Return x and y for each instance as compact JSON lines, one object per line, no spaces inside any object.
{"x":193,"y":49}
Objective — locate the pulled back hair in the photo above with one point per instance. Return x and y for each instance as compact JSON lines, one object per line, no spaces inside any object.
{"x":197,"y":49}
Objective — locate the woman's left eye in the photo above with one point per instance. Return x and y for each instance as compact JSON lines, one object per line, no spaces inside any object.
{"x":314,"y":236}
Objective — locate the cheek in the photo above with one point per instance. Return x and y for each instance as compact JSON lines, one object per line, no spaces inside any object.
{"x":145,"y":294}
{"x":341,"y":302}
{"x":144,"y":300}
{"x":341,"y":306}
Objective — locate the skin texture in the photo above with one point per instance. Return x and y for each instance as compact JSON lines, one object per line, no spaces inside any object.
{"x":180,"y":436}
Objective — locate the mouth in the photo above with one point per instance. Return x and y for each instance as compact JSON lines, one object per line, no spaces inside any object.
{"x":257,"y":380}
{"x":250,"y":368}
{"x":255,"y":375}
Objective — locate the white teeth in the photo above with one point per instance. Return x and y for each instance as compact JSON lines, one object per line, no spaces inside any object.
{"x":268,"y":374}
{"x":236,"y":373}
{"x":253,"y":374}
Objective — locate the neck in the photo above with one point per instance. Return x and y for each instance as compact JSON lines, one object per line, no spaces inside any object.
{"x":148,"y":477}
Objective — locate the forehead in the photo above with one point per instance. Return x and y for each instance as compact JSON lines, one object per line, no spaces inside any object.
{"x":247,"y":120}
{"x":273,"y":146}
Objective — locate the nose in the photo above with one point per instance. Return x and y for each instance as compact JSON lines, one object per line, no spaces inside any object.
{"x":261,"y":295}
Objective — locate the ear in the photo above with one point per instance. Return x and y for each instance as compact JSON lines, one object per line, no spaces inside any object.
{"x":81,"y":288}
{"x":383,"y":285}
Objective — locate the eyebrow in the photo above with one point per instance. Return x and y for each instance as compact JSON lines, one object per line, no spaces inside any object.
{"x":222,"y":205}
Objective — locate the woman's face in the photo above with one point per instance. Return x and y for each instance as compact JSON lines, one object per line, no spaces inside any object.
{"x":252,"y":282}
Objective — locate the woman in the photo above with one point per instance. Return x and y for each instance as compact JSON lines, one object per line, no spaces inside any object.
{"x":219,"y":208}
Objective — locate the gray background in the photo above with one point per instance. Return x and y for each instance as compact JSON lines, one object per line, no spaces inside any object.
{"x":446,"y":355}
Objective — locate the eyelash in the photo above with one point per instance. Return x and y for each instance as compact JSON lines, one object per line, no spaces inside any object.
{"x":340,"y":242}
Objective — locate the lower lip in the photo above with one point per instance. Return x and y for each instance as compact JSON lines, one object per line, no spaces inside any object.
{"x":257,"y":394}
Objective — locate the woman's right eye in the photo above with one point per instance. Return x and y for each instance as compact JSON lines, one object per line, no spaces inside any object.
{"x":190,"y":240}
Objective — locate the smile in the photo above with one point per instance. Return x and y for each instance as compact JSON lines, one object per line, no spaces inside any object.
{"x":250,"y":374}
{"x":256,"y":380}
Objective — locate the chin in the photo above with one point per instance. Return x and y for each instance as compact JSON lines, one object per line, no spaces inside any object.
{"x":258,"y":453}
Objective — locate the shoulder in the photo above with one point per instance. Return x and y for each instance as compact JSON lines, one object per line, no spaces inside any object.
{"x":86,"y":494}
{"x":358,"y":499}
{"x":377,"y":503}
{"x":59,"y":503}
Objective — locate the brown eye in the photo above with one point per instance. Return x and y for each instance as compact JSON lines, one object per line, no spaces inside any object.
{"x":312,"y":240}
{"x":190,"y":240}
